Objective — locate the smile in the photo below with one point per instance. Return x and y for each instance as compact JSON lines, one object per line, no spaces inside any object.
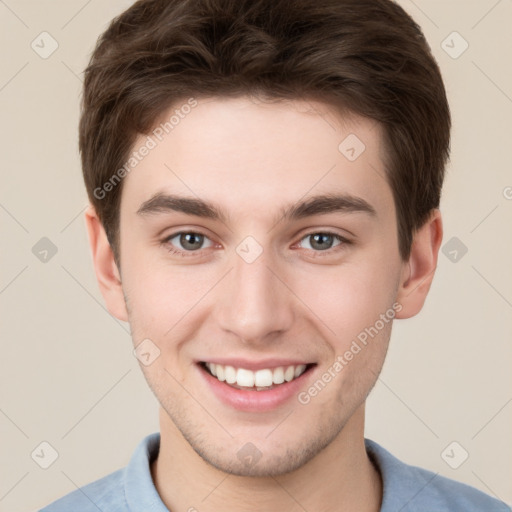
{"x":253,"y":386}
{"x":259,"y":380}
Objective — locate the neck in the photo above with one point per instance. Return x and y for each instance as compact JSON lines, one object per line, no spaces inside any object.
{"x":341,"y":477}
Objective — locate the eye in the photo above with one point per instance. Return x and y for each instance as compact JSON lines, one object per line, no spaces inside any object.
{"x":187,"y":241}
{"x":323,"y":241}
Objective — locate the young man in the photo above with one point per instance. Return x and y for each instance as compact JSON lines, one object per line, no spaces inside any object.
{"x":264,"y":178}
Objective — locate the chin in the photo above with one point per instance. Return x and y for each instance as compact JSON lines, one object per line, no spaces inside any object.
{"x":262,"y":458}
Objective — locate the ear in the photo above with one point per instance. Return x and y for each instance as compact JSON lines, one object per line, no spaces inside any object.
{"x":418,"y":271}
{"x":107,"y":273}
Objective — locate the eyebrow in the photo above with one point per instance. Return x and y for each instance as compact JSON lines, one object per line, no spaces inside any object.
{"x":316,"y":205}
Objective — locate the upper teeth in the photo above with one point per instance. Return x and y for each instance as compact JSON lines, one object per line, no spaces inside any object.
{"x":259,"y":378}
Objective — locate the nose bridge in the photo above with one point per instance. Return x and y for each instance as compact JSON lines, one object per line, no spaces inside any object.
{"x":255,"y":303}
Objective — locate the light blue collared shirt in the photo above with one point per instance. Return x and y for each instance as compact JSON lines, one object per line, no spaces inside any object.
{"x":405,"y":488}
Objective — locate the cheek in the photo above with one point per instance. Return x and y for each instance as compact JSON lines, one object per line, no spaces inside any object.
{"x":349,"y":298}
{"x":162,"y":296}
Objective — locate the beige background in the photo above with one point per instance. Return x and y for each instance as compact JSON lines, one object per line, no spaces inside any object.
{"x":68,"y":376}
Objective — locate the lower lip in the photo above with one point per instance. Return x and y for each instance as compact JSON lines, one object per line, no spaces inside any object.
{"x":254,"y":401}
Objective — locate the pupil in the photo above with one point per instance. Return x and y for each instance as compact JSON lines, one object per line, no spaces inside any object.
{"x":321,"y":238}
{"x":191,"y":240}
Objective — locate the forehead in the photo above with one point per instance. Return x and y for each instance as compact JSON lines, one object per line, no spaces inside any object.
{"x":254,"y":156}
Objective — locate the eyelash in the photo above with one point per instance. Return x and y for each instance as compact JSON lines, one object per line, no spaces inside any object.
{"x":343,"y":242}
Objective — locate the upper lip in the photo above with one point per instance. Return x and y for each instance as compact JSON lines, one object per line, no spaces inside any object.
{"x":255,"y":365}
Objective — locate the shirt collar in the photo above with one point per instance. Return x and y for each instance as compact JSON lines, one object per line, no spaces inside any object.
{"x":401,"y":486}
{"x":139,"y":489}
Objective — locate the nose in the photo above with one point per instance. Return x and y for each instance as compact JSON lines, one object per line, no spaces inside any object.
{"x":254,"y":304}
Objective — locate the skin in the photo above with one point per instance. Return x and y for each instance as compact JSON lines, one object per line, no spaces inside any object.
{"x":253,"y":158}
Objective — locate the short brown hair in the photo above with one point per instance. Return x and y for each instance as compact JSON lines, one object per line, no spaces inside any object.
{"x":363,"y":56}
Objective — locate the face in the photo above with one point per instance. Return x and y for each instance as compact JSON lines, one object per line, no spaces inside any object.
{"x":259,"y":255}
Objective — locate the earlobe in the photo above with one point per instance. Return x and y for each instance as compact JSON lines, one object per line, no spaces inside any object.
{"x":418,"y":271}
{"x":105,"y":267}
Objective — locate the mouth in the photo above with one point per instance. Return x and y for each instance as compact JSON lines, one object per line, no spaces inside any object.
{"x":264,"y":379}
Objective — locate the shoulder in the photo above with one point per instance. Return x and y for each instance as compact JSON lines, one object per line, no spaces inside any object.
{"x":410,"y":488}
{"x":124,"y":490}
{"x":107,"y":493}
